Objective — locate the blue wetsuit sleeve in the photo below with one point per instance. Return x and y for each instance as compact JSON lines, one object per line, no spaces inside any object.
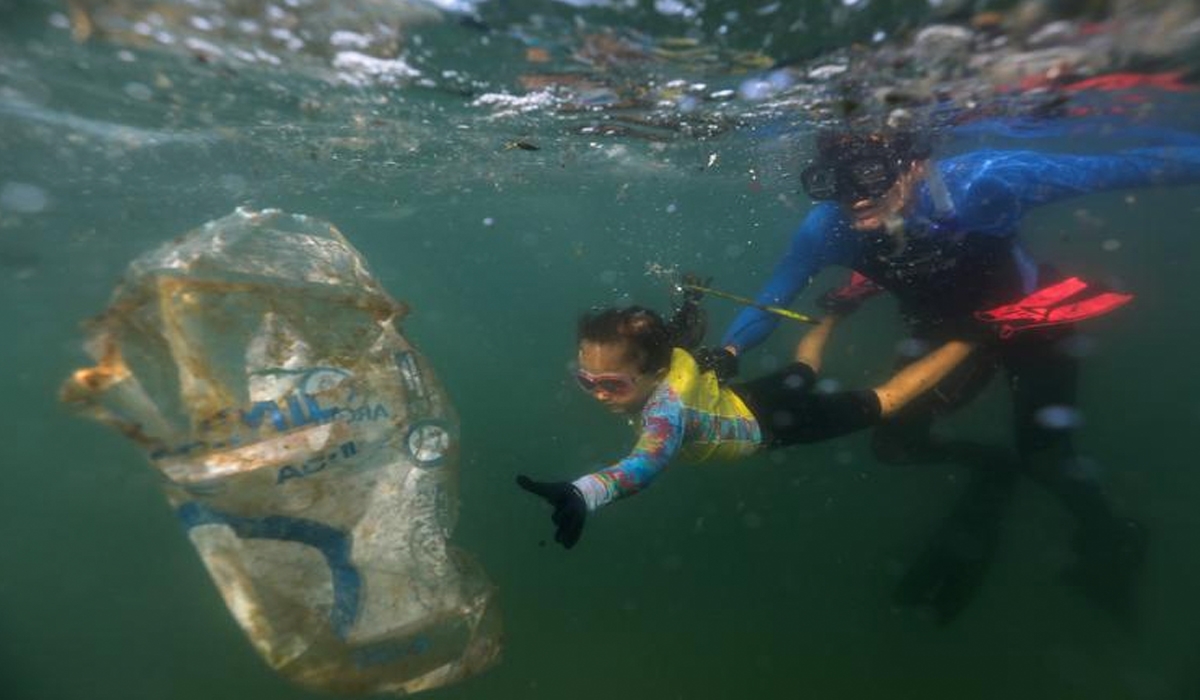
{"x":659,"y":442}
{"x":804,"y":258}
{"x":1008,"y":183}
{"x":1032,"y":128}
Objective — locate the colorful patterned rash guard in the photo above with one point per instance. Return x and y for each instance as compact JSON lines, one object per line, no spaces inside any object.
{"x":688,"y":416}
{"x":959,"y":251}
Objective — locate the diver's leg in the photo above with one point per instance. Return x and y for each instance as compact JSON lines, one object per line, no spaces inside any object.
{"x":1043,"y":380}
{"x":907,"y":436}
{"x":948,"y":572}
{"x":951,"y":568}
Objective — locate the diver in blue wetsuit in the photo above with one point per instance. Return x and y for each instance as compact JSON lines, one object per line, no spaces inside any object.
{"x":942,"y":238}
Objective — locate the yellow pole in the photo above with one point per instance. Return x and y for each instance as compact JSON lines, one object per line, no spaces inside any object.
{"x":778,"y":311}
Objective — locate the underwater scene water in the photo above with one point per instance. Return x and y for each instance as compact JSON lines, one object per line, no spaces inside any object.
{"x":505,"y":166}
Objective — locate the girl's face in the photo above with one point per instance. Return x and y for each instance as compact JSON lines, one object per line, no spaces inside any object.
{"x":611,"y":376}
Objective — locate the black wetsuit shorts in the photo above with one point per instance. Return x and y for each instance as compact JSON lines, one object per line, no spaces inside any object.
{"x":790,"y":410}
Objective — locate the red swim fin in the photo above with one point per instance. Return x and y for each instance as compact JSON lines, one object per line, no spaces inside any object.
{"x":1173,"y":81}
{"x":1049,"y":306}
{"x":1087,"y":308}
{"x":1041,"y":298}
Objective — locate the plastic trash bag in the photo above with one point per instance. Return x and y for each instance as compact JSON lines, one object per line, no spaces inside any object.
{"x":306,"y":446}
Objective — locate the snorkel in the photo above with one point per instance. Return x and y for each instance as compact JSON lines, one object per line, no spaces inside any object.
{"x":943,"y":205}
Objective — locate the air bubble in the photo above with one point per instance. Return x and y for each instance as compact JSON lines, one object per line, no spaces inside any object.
{"x":794,"y":381}
{"x":912,"y":348}
{"x":828,"y":386}
{"x":1058,"y":417}
{"x":1078,"y":346}
{"x":138,"y":91}
{"x":756,"y":90}
{"x":23,"y":198}
{"x":233,"y":183}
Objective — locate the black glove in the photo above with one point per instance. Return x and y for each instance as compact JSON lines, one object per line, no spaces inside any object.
{"x":718,"y":361}
{"x":845,"y":299}
{"x":832,"y":303}
{"x":570,"y":510}
{"x":688,"y":285}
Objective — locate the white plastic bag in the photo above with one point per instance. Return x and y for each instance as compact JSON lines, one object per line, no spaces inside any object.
{"x":307,"y":447}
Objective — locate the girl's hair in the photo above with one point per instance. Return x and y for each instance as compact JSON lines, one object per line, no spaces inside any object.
{"x":648,"y":338}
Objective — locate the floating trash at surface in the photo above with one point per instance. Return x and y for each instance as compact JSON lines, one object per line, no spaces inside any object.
{"x":307,"y":448}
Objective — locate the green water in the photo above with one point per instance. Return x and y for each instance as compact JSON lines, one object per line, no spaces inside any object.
{"x":767,"y":578}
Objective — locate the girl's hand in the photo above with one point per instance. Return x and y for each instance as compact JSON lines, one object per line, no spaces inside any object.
{"x":569,"y":508}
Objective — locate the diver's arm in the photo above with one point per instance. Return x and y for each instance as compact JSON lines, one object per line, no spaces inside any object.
{"x":811,"y":347}
{"x":1066,"y":175}
{"x":661,"y":438}
{"x":920,"y":376}
{"x":816,"y":415}
{"x":792,"y":274}
{"x":1007,"y":183}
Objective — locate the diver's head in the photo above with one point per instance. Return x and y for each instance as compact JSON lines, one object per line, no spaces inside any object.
{"x":623,"y":354}
{"x":871,"y":175}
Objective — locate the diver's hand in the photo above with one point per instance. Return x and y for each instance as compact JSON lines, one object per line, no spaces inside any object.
{"x":836,"y":302}
{"x":845,"y":300}
{"x":569,"y":508}
{"x":719,"y":361}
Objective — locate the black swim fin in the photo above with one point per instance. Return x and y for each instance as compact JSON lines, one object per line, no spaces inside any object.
{"x":1108,"y":561}
{"x":951,"y":569}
